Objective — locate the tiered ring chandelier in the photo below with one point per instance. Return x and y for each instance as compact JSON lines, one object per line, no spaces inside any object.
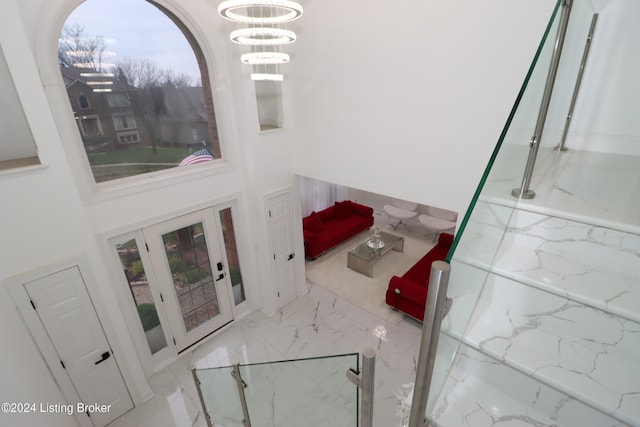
{"x":263,"y":33}
{"x":280,"y":11}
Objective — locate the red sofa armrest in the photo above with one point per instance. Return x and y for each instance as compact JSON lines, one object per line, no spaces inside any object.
{"x":361,"y":210}
{"x":309,"y":237}
{"x":408,"y":290}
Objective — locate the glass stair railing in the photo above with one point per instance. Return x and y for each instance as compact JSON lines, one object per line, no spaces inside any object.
{"x":319,"y":392}
{"x":545,"y":291}
{"x":485,"y":223}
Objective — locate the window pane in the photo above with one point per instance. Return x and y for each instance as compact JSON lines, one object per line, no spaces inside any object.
{"x":233,"y":260}
{"x":188,"y":259}
{"x":141,"y":294}
{"x":140,"y":94}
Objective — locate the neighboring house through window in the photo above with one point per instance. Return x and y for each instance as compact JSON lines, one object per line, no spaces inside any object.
{"x":148,"y":113}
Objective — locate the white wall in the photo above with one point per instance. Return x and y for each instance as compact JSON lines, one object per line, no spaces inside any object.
{"x":42,"y":223}
{"x":409,"y":98}
{"x":606,"y":114}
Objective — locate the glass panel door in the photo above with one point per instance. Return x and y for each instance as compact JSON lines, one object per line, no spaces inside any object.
{"x":186,"y":255}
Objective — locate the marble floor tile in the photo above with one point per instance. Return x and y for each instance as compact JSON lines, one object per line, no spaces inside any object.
{"x":315,"y":325}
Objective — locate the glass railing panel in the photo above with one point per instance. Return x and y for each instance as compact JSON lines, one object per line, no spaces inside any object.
{"x":219,"y":396}
{"x":488,"y":216}
{"x":310,"y":392}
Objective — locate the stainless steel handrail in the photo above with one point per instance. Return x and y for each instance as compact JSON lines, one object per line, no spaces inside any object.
{"x":524,"y":192}
{"x":434,"y":312}
{"x":576,"y":89}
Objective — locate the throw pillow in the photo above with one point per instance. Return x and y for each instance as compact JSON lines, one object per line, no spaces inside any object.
{"x":313,"y":223}
{"x":343,"y":209}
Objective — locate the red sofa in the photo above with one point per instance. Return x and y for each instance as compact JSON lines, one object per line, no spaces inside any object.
{"x":325,"y":229}
{"x":408,"y":293}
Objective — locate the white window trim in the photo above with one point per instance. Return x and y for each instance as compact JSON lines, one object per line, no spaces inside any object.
{"x":51,"y":19}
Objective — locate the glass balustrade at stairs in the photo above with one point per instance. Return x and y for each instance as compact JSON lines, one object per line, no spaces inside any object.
{"x":486,"y":221}
{"x":313,"y":392}
{"x":571,"y":214}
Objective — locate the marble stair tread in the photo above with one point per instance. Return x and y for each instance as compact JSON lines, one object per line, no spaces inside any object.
{"x":583,"y":352}
{"x":481,"y":392}
{"x":607,"y":195}
{"x":594,"y":265}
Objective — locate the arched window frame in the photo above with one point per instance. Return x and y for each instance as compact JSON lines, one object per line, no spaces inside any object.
{"x":51,"y":21}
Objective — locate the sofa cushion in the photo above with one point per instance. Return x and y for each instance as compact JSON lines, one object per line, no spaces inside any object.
{"x":313,"y":223}
{"x":419,"y":273}
{"x":343,"y":209}
{"x":328,"y":214}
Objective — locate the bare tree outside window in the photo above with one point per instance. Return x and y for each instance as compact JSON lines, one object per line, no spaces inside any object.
{"x":141,"y":108}
{"x":76,"y":47}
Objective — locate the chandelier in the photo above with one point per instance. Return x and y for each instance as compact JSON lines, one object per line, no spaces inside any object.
{"x":263,"y":32}
{"x":252,"y":12}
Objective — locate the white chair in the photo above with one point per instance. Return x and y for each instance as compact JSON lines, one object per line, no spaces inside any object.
{"x":438,"y":220}
{"x":401,"y":210}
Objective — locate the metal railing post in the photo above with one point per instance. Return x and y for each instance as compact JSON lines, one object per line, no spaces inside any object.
{"x":198,"y":388}
{"x":576,"y":89}
{"x":434,"y":312}
{"x":365,"y":380}
{"x":524,"y":191}
{"x":243,"y":401}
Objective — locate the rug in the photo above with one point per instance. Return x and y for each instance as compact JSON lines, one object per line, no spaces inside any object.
{"x":330,"y":272}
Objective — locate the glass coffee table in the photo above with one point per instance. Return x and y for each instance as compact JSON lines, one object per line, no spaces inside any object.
{"x":362,"y":257}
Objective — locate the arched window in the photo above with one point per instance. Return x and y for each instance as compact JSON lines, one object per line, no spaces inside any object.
{"x":138,"y":85}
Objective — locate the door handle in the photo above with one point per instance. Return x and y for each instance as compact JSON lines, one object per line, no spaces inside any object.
{"x":291,"y":256}
{"x":220,"y":277}
{"x":105,"y":356}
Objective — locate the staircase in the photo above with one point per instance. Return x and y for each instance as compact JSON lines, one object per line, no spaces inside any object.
{"x":547,"y":301}
{"x":544,"y":329}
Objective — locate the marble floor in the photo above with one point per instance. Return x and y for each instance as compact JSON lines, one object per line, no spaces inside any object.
{"x":314,"y":325}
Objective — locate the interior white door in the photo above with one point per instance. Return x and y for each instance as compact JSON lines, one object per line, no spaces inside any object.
{"x":69,"y":318}
{"x":186,"y":256}
{"x":282,"y":245}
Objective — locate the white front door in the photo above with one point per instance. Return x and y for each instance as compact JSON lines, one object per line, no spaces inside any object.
{"x":282,"y":246}
{"x":186,"y":256}
{"x":69,"y":318}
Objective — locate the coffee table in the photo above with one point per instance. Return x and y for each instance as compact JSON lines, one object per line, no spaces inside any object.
{"x":362,"y":257}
